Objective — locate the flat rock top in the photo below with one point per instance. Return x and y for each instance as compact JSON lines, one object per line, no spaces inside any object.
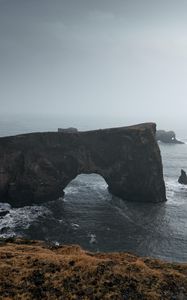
{"x":138,"y":127}
{"x":34,"y":270}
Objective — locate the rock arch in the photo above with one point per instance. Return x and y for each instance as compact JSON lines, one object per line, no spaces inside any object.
{"x":37,"y":167}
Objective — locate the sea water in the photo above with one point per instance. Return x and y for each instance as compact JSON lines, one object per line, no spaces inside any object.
{"x":90,"y":216}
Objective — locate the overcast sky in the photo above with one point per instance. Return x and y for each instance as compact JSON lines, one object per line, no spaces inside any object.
{"x":122,"y":59}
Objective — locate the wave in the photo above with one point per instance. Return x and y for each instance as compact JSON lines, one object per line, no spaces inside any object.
{"x":184,"y":140}
{"x":173,"y":185}
{"x":175,"y":192}
{"x":18,"y":219}
{"x":92,"y":237}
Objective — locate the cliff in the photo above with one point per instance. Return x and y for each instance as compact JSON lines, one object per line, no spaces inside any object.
{"x":34,"y":270}
{"x":37,"y":167}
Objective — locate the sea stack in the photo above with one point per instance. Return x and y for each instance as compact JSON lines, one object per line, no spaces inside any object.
{"x":183,"y":177}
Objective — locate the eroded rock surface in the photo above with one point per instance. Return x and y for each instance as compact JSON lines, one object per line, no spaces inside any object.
{"x":37,"y":167}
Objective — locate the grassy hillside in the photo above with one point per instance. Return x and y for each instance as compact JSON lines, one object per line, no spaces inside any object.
{"x":35,"y":270}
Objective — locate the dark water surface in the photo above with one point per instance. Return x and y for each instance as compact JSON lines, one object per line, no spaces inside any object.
{"x":88,"y":215}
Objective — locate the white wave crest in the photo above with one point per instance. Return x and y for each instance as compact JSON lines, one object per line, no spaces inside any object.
{"x":19,"y":218}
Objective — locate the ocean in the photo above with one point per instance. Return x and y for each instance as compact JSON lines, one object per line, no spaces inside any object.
{"x":90,"y":216}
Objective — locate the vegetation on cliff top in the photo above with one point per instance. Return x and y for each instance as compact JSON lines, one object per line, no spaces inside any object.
{"x":35,"y":270}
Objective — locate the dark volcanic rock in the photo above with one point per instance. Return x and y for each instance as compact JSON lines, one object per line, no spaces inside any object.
{"x":68,"y":130}
{"x":183,"y":177}
{"x":37,"y":167}
{"x":168,"y":137}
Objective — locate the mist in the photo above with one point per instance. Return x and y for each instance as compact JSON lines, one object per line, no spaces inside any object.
{"x":94,"y":63}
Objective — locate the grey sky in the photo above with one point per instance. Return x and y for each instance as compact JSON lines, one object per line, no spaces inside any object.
{"x":111,"y":58}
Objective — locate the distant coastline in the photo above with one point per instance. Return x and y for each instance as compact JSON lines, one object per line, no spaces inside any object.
{"x":167,"y":137}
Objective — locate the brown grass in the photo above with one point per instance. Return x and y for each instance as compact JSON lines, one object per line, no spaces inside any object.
{"x":34,"y":270}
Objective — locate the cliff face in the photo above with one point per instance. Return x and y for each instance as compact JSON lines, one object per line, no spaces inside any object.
{"x":37,"y":167}
{"x":33,"y":270}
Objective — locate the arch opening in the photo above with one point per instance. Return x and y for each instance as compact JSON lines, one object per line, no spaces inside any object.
{"x":86,"y":183}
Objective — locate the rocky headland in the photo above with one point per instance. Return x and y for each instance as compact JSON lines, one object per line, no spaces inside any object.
{"x":37,"y":167}
{"x":168,"y":137}
{"x":35,"y":270}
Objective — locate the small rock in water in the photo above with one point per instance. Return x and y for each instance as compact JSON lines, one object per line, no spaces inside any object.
{"x":183,"y":177}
